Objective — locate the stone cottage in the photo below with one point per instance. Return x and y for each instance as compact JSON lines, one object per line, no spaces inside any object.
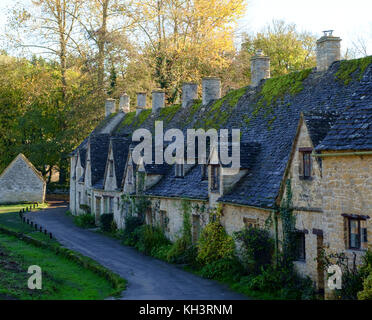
{"x":310,"y":131}
{"x":21,"y":183}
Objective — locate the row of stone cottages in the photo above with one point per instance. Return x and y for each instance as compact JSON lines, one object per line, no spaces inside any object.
{"x":318,"y":136}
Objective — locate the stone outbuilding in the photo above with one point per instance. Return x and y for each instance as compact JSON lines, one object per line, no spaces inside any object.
{"x":21,"y":182}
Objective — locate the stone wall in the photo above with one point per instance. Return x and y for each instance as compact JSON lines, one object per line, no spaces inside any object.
{"x":21,"y":183}
{"x":347,"y":189}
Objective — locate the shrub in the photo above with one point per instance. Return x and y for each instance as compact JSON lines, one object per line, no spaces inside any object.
{"x":366,"y":272}
{"x":85,"y":208}
{"x":282,"y":281}
{"x":161,"y":252}
{"x":130,"y":236}
{"x":214,"y":244}
{"x":183,"y":251}
{"x":106,"y":222}
{"x":85,"y":221}
{"x":352,"y":277}
{"x":150,"y":238}
{"x":257,"y":248}
{"x":366,"y":293}
{"x":228,"y":269}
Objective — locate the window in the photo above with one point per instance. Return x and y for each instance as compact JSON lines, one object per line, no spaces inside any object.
{"x":356,"y":232}
{"x":79,"y":198}
{"x":118,"y":203}
{"x":111,"y":168}
{"x":204,"y":172}
{"x":179,"y":170}
{"x":306,"y":163}
{"x":215,"y":178}
{"x":250,"y":223}
{"x":300,"y":246}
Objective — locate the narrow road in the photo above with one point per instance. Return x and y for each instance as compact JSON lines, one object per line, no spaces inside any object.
{"x":148,"y":278}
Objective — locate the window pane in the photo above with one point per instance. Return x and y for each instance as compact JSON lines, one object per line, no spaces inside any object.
{"x":354,"y":234}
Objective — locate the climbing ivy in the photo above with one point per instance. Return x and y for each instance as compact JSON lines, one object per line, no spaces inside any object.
{"x":289,"y":227}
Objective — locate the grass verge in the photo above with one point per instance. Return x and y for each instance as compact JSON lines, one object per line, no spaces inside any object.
{"x":66,"y":274}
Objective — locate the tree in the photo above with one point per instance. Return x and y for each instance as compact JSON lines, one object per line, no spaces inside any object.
{"x":186,"y":40}
{"x":52,"y":26}
{"x":289,"y":50}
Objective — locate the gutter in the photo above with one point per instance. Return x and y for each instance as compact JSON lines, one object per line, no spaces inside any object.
{"x":340,"y":154}
{"x":246,"y":206}
{"x":172,"y":198}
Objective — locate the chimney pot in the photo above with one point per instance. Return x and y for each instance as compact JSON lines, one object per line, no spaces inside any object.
{"x":110,"y":106}
{"x":211,"y":89}
{"x":260,"y":68}
{"x":124,"y":103}
{"x":328,"y":50}
{"x":189,"y":93}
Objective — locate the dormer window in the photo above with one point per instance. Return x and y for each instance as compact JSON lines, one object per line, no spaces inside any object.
{"x":215,"y":178}
{"x":204,"y":172}
{"x":180,"y":173}
{"x":111,"y":168}
{"x":306,"y":163}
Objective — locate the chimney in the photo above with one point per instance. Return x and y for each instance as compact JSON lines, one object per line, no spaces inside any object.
{"x":211,"y":89}
{"x":124,"y":103}
{"x":189,"y":93}
{"x":110,"y":106}
{"x":141,"y":102}
{"x":158,"y":100}
{"x":260,"y":68}
{"x":328,"y":50}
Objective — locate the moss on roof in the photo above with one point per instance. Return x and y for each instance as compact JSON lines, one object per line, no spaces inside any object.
{"x":218,"y":114}
{"x":348,"y":69}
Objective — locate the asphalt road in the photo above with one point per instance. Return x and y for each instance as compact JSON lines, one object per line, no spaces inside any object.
{"x":148,"y":278}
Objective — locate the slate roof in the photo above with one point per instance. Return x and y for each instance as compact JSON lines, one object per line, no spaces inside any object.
{"x":120,"y":148}
{"x":99,"y":146}
{"x":190,"y":186}
{"x":272,"y":129}
{"x":352,"y":131}
{"x":319,"y":123}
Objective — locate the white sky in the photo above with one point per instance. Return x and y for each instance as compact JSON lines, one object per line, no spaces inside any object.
{"x":349,"y":18}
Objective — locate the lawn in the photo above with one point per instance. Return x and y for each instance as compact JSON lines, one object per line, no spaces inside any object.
{"x":18,"y":207}
{"x":63,"y":279}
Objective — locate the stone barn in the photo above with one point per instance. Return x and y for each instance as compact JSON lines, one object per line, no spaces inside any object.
{"x":21,"y":182}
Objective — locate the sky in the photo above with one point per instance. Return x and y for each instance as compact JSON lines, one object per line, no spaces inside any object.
{"x":350,"y":19}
